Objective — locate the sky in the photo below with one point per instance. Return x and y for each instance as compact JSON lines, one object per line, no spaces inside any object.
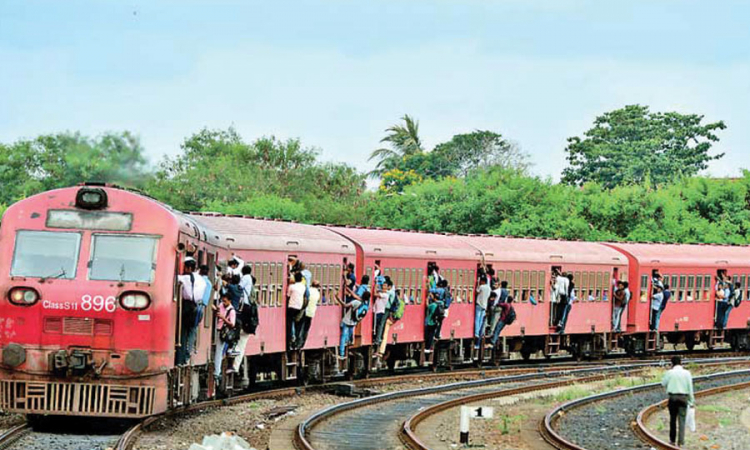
{"x":337,"y":73}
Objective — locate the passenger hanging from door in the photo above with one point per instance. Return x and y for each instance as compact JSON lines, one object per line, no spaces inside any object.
{"x":192,"y":288}
{"x":569,"y":299}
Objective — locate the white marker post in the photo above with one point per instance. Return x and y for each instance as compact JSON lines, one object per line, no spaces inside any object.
{"x":475,"y":412}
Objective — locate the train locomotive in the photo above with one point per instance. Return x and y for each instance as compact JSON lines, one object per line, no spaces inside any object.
{"x":90,"y":305}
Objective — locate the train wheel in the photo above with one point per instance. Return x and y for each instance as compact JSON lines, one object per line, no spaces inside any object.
{"x":526,"y":353}
{"x":690,"y":343}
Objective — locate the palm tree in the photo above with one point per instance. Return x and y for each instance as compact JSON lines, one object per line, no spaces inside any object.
{"x":404,"y":141}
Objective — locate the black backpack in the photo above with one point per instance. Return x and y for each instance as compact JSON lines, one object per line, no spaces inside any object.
{"x":511,"y":316}
{"x":737,"y":296}
{"x":249,"y":318}
{"x":230,"y":335}
{"x":189,"y":308}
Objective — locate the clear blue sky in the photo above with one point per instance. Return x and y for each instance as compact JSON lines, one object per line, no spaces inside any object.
{"x":337,"y":73}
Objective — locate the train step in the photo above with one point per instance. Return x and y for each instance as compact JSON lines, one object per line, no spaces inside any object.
{"x":717,"y":338}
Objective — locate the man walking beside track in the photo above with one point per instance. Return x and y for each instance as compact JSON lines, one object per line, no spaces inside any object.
{"x":679,"y":385}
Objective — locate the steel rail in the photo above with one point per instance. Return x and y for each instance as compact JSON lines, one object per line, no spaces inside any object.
{"x":408,"y":431}
{"x":547,"y":425}
{"x":409,"y":434}
{"x":13,"y":434}
{"x":302,"y":443}
{"x":640,"y":428}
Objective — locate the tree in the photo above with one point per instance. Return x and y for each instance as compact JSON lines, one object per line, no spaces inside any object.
{"x":479,"y":149}
{"x":219,"y":171}
{"x":632,"y":145}
{"x":404,"y":141}
{"x":65,"y":159}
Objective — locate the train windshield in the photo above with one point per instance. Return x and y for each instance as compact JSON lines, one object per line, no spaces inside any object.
{"x":46,"y":254}
{"x":123,"y":258}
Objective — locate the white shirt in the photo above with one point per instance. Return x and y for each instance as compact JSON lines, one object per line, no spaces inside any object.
{"x":192,"y":290}
{"x":296,"y":294}
{"x":483,"y":294}
{"x":381,"y":301}
{"x":561,"y":285}
{"x":238,"y":269}
{"x":246,"y":284}
{"x":312,"y":305}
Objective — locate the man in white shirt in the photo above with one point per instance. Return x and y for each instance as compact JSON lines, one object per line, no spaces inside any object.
{"x":480,"y":311}
{"x":561,"y":292}
{"x":235,"y":265}
{"x":679,"y":385}
{"x":192,"y":288}
{"x":296,"y":295}
{"x":246,"y":283}
{"x":656,"y":300}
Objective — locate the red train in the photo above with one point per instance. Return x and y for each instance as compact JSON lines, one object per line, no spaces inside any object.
{"x":89,"y":303}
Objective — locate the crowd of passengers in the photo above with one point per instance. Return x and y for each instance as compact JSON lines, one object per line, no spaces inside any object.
{"x":493,"y":310}
{"x":728,"y":296}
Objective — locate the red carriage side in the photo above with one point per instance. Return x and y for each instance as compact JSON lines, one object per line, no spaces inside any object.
{"x":265,"y":245}
{"x":404,"y":256}
{"x":691,"y":272}
{"x":526,"y":265}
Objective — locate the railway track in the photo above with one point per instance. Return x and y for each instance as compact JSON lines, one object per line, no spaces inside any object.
{"x":411,"y":437}
{"x":375,"y":422}
{"x":130,"y":436}
{"x":639,"y":427}
{"x":124,"y":441}
{"x":609,"y":416}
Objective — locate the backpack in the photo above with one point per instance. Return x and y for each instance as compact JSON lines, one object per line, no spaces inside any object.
{"x":230,"y":335}
{"x":439,"y":313}
{"x":511,"y":316}
{"x":249,"y":318}
{"x":189,"y":307}
{"x":737,"y":298}
{"x":397,"y":307}
{"x":362,"y":310}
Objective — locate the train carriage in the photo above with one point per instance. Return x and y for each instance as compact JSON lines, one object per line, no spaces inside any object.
{"x":266,"y":246}
{"x":690,"y":271}
{"x":87,"y":316}
{"x":405,"y":257}
{"x":526,"y":264}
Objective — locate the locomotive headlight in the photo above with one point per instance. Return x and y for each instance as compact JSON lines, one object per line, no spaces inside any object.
{"x":135,"y":301}
{"x":91,"y":198}
{"x":23,"y":296}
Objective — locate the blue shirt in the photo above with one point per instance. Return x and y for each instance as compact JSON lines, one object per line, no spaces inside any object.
{"x":362,"y":289}
{"x":207,"y":292}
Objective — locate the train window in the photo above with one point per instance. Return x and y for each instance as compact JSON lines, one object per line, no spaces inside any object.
{"x":698,"y":288}
{"x":681,"y":293}
{"x":706,"y":288}
{"x":541,"y":287}
{"x":516,"y":284}
{"x":534,"y":283}
{"x":743,"y":285}
{"x":583,"y":286}
{"x":525,"y":286}
{"x":470,"y":285}
{"x":123,"y":258}
{"x":267,"y":285}
{"x":420,"y":281}
{"x":675,"y":285}
{"x":690,"y":288}
{"x":598,"y":287}
{"x":46,"y":254}
{"x":413,"y":286}
{"x":606,"y":280}
{"x":500,"y":275}
{"x":644,"y":288}
{"x":578,"y":285}
{"x":368,"y":272}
